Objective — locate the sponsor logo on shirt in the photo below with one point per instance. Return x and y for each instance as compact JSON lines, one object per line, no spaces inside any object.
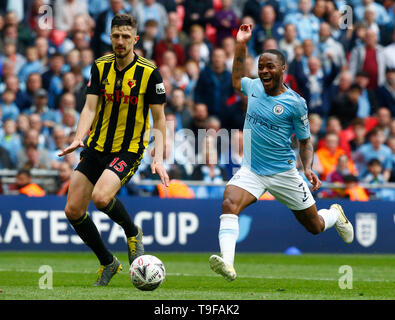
{"x":278,"y":109}
{"x":160,"y":88}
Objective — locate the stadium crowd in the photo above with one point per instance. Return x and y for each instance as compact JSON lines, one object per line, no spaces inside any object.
{"x":341,"y":61}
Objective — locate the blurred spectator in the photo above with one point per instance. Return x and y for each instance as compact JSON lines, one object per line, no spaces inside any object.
{"x":21,"y":98}
{"x":66,"y":11}
{"x":346,"y":107}
{"x":329,"y":49}
{"x":359,"y":134}
{"x":33,"y":84}
{"x":5,"y":160}
{"x":150,"y":9}
{"x":381,"y":15}
{"x":329,"y":154}
{"x":148,"y":39}
{"x":11,"y":140}
{"x":367,"y":102}
{"x":229,"y":46}
{"x":342,"y":87}
{"x":224,"y":22}
{"x":178,"y":106}
{"x":370,"y":20}
{"x":33,"y":64}
{"x":69,"y":120}
{"x":266,"y":27}
{"x":198,"y":12}
{"x":214,"y":86}
{"x":386,"y":92}
{"x":234,"y":118}
{"x":176,"y":189}
{"x":169,"y":43}
{"x":49,"y":117}
{"x":389,"y":53}
{"x":8,"y":105}
{"x":36,"y":123}
{"x":374,"y":174}
{"x":316,"y":83}
{"x":315,"y":125}
{"x":353,"y":190}
{"x":51,"y":79}
{"x":199,"y":117}
{"x":57,"y":144}
{"x":209,"y":171}
{"x":370,"y":59}
{"x":25,"y":186}
{"x":383,"y":116}
{"x":65,"y":171}
{"x":42,"y":45}
{"x":307,"y":24}
{"x":199,"y":48}
{"x":252,"y":8}
{"x":10,"y":53}
{"x":391,"y":145}
{"x":192,"y":70}
{"x":374,"y":149}
{"x":22,"y":124}
{"x":289,"y":41}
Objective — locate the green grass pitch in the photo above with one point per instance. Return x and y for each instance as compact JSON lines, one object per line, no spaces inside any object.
{"x":260,"y":277}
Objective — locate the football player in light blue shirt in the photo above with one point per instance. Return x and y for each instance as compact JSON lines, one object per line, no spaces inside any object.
{"x":274,"y":114}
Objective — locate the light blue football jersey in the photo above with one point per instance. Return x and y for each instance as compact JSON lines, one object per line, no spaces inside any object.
{"x":268,"y":127}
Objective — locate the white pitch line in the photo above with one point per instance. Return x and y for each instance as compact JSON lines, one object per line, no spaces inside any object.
{"x":212,"y":275}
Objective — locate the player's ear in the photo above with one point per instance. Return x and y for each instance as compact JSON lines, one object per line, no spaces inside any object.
{"x":136,"y":38}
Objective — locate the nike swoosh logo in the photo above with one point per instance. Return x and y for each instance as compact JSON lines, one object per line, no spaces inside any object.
{"x":305,"y":199}
{"x":254,"y":95}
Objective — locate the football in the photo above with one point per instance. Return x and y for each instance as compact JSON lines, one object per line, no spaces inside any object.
{"x":147,"y":272}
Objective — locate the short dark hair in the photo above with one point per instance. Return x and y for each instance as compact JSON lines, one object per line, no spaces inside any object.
{"x":25,"y":172}
{"x":374,"y":161}
{"x":280,"y":56}
{"x":124,"y":20}
{"x":355,"y":86}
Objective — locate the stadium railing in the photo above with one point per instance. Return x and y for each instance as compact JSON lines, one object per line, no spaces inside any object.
{"x":47,"y":179}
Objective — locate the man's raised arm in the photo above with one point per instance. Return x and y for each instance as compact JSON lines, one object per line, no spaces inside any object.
{"x":239,"y":64}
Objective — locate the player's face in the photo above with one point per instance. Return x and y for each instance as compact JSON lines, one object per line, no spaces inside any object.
{"x":270,"y":71}
{"x":123,"y":39}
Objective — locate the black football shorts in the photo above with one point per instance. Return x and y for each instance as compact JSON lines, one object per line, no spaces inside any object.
{"x":123,"y":164}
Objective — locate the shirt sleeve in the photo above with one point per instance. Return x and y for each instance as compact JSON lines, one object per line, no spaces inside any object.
{"x":301,"y":121}
{"x":156,"y":93}
{"x":245,"y":85}
{"x":93,"y":86}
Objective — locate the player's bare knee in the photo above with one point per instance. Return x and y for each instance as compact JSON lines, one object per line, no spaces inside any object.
{"x":100,"y":199}
{"x":73,"y":212}
{"x":230,"y":206}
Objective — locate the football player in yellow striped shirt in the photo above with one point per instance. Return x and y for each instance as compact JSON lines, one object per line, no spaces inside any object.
{"x":122,"y":89}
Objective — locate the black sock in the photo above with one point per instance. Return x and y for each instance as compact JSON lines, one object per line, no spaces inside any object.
{"x":88,"y":232}
{"x":117,"y":212}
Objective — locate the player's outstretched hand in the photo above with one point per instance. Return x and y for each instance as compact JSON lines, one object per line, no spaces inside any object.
{"x":244,"y":33}
{"x":74,"y":145}
{"x":157,"y":167}
{"x":312,"y":177}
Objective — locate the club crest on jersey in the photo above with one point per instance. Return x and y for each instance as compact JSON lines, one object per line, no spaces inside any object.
{"x":278,"y":109}
{"x":132,"y":83}
{"x":105,"y":82}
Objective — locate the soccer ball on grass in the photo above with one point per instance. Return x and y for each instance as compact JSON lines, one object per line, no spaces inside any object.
{"x":147,"y":272}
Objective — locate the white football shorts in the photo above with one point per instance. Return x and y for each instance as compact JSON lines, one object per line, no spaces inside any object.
{"x":287,"y":187}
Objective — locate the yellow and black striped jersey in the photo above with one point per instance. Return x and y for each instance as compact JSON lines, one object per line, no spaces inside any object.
{"x":121,"y":123}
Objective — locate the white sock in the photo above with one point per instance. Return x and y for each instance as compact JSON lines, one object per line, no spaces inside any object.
{"x":330,"y":217}
{"x":228,"y":234}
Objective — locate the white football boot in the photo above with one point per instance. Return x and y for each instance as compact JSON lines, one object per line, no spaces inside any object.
{"x":219,"y":266}
{"x":343,"y":225}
